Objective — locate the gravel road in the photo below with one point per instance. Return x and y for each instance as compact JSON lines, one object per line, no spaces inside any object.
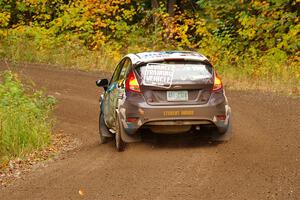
{"x":261,"y":161}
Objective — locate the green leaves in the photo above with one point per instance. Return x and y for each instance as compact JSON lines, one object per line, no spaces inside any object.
{"x":25,"y":122}
{"x":229,"y":31}
{"x":202,"y":3}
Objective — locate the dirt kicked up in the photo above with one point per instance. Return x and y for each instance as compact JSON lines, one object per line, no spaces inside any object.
{"x":261,"y":161}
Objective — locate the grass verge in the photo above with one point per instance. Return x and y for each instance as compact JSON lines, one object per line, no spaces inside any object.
{"x":25,"y":118}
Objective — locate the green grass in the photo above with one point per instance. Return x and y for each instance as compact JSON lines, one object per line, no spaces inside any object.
{"x":25,"y":118}
{"x":267,"y":73}
{"x":35,"y":45}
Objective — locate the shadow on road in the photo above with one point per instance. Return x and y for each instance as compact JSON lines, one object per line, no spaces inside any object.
{"x":185,"y":140}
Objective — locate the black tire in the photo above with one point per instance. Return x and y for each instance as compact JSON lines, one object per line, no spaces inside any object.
{"x":102,"y":130}
{"x":120,"y":144}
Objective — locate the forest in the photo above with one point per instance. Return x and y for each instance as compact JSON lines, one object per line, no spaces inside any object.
{"x":247,"y":40}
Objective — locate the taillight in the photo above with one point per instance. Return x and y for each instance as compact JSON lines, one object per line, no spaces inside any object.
{"x":217,"y":83}
{"x":132,"y":83}
{"x":132,"y":119}
{"x":221,"y":117}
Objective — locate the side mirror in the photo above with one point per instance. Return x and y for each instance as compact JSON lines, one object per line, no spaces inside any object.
{"x":102,"y":83}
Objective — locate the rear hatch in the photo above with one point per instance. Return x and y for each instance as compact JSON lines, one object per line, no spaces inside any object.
{"x":175,"y":82}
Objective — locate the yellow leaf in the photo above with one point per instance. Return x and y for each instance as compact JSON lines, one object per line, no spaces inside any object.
{"x":81,"y":192}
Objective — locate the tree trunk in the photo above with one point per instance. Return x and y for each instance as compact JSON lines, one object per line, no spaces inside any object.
{"x":154,"y":4}
{"x":14,"y":13}
{"x":171,"y":7}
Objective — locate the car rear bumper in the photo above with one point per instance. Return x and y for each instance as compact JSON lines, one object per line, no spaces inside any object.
{"x":137,"y":115}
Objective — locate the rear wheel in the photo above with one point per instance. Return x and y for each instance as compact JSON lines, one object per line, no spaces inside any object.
{"x":103,"y":130}
{"x":120,"y":144}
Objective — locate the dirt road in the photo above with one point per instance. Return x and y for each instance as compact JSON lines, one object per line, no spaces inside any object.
{"x":262,"y":161}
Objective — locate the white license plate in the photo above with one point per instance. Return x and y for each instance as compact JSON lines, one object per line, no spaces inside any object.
{"x":177,"y":95}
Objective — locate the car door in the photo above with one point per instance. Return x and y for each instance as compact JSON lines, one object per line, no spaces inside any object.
{"x":108,"y":96}
{"x":115,"y":91}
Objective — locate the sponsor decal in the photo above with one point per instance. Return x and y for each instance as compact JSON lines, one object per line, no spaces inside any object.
{"x":178,"y":113}
{"x":164,"y":75}
{"x":159,"y":75}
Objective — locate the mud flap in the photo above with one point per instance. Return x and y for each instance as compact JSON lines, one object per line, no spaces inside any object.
{"x":124,"y":136}
{"x":103,"y":128}
{"x":217,"y":137}
{"x":227,"y":134}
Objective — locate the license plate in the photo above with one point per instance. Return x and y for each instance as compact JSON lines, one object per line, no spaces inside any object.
{"x":177,"y":95}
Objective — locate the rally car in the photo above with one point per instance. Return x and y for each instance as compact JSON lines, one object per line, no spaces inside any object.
{"x":165,"y":92}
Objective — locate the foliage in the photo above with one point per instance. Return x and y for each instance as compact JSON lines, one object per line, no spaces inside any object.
{"x":25,"y":123}
{"x":252,"y":39}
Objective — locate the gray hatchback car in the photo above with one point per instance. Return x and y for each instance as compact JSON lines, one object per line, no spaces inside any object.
{"x":167,"y":92}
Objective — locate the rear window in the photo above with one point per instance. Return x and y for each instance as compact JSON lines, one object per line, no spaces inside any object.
{"x":166,"y":74}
